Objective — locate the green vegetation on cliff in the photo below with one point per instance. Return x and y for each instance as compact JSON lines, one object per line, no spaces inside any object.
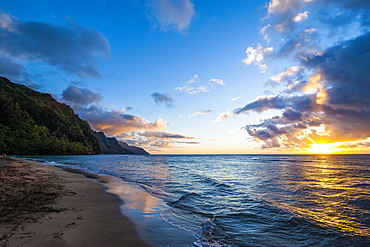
{"x":34,"y":123}
{"x":110,"y":145}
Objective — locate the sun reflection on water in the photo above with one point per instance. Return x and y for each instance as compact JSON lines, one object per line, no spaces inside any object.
{"x":325,"y":192}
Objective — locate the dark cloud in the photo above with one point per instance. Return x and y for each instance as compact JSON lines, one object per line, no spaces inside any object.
{"x":345,"y":71}
{"x":16,"y":72}
{"x":299,"y":103}
{"x":292,"y":115}
{"x":160,"y":98}
{"x":73,"y":49}
{"x":83,"y":96}
{"x":10,"y":68}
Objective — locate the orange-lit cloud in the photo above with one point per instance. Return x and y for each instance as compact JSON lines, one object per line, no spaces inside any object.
{"x":114,"y":122}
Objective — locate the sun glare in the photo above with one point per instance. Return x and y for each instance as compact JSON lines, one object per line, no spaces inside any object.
{"x":321,"y":148}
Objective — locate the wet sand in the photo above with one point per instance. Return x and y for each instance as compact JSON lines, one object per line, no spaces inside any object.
{"x":42,"y":205}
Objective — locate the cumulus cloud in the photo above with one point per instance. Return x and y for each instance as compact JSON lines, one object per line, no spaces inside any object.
{"x":301,"y":16}
{"x":173,"y":14}
{"x":71,"y":48}
{"x":325,"y":93}
{"x":83,"y":96}
{"x":114,"y":122}
{"x":257,"y":55}
{"x":160,"y":98}
{"x":199,"y":113}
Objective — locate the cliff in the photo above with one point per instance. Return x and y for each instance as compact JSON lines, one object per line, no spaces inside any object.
{"x":110,"y":145}
{"x":34,"y":123}
{"x":135,"y":150}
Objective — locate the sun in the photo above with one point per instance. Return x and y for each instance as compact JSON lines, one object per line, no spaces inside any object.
{"x":321,"y":148}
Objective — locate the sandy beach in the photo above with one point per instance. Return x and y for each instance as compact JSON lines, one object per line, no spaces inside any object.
{"x":42,"y":205}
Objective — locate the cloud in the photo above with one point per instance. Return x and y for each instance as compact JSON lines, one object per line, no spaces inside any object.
{"x":156,"y":144}
{"x":298,"y":102}
{"x":290,"y":72}
{"x":191,"y":90}
{"x":194,"y":85}
{"x":218,"y":81}
{"x":16,"y":72}
{"x":234,"y":99}
{"x":193,"y":79}
{"x":71,"y":48}
{"x":285,"y":13}
{"x":83,"y":96}
{"x":301,"y":43}
{"x":323,"y":96}
{"x":163,"y":98}
{"x":164,"y":135}
{"x":114,"y":122}
{"x":301,"y":16}
{"x":152,"y":140}
{"x":173,"y":14}
{"x":200,"y":113}
{"x":224,"y":115}
{"x":256,"y":56}
{"x":212,"y":140}
{"x":10,"y":68}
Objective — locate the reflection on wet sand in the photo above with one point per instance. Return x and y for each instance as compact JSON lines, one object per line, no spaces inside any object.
{"x":136,"y":198}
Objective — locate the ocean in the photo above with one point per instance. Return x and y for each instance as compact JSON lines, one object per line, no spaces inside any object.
{"x":239,"y":200}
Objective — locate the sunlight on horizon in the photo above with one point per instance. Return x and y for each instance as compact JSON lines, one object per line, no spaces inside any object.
{"x":335,"y":148}
{"x":322,"y":148}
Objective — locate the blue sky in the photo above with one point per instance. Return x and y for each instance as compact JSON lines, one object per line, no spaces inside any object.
{"x":187,"y":76}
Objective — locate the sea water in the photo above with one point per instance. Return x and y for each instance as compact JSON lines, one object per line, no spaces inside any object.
{"x":240,"y":200}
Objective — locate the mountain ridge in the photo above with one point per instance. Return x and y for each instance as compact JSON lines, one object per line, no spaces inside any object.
{"x":35,"y":123}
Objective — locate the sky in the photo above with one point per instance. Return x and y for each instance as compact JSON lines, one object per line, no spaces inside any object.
{"x":201,"y":76}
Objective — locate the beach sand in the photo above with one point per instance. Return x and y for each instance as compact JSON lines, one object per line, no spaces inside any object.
{"x":42,"y":205}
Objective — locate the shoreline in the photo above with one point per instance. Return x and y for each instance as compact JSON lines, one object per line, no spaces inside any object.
{"x":78,"y":212}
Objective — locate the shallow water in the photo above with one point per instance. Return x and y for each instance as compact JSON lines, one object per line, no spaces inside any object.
{"x":242,"y":200}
